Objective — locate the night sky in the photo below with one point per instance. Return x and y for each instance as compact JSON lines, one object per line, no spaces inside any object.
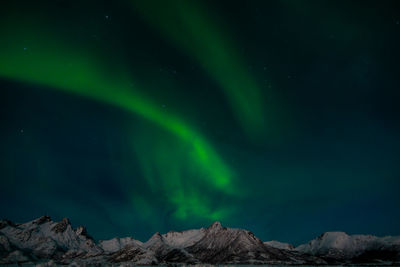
{"x":132,"y":117}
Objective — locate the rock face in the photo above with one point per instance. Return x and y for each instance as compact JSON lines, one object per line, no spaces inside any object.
{"x":45,"y":241}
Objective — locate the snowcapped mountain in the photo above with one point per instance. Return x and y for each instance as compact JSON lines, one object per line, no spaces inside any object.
{"x":339,"y":246}
{"x":43,"y":240}
{"x":220,"y":244}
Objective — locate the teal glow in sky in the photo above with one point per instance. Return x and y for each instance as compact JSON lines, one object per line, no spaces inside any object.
{"x":132,"y":117}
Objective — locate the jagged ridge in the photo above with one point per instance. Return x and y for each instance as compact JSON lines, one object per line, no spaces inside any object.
{"x":43,"y":239}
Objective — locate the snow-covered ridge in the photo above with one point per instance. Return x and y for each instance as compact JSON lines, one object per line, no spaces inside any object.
{"x":340,"y":243}
{"x":280,"y":245}
{"x":45,"y":240}
{"x":184,"y":238}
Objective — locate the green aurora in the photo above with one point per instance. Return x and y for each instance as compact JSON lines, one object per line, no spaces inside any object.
{"x":59,"y":67}
{"x":187,"y":25}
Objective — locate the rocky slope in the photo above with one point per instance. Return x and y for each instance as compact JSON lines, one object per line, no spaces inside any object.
{"x":43,"y":241}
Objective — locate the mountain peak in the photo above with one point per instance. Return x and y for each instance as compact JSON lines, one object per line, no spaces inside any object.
{"x":332,"y":236}
{"x":61,"y":226}
{"x":215,"y":225}
{"x":157,"y":237}
{"x":41,"y":220}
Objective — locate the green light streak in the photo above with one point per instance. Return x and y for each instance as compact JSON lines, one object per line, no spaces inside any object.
{"x":70,"y":70}
{"x":184,"y":186}
{"x":186,"y":25}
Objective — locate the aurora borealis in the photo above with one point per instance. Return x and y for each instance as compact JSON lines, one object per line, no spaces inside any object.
{"x":132,"y":117}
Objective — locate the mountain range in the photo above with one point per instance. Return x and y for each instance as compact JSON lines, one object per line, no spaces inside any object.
{"x":48,"y":243}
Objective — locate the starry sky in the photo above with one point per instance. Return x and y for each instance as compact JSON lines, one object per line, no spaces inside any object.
{"x":132,"y":116}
